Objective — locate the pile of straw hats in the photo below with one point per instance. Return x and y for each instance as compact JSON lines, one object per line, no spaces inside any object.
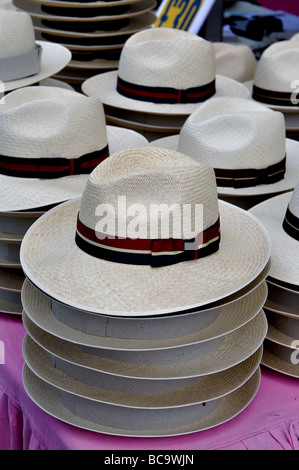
{"x":163,"y":75}
{"x":275,"y":83}
{"x":44,"y":131}
{"x":280,"y":216}
{"x":245,"y":143}
{"x":94,"y":32}
{"x":135,"y":326}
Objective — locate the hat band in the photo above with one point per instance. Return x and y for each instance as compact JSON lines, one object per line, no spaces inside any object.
{"x":152,"y":252}
{"x":20,"y":66}
{"x":165,"y":94}
{"x":291,"y":225}
{"x":273,"y":97}
{"x":245,"y":178}
{"x":47,"y":168}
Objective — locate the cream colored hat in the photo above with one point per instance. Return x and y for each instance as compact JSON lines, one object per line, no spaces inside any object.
{"x":63,"y":132}
{"x":163,"y":71}
{"x":245,"y":144}
{"x":122,"y":421}
{"x":280,"y":216}
{"x":24,"y":61}
{"x":276,"y":79}
{"x":96,"y":271}
{"x":235,"y":61}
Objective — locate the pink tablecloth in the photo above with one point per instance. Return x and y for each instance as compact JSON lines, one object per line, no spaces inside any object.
{"x":270,"y":422}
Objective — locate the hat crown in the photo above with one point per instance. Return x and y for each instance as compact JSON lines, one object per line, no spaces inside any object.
{"x":165,"y":57}
{"x":234,"y":133}
{"x":236,"y":62}
{"x":278,"y":67}
{"x":43,"y":122}
{"x":146,"y":178}
{"x":16,"y":33}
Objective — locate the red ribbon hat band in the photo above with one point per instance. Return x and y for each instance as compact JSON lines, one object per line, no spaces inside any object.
{"x":152,"y":252}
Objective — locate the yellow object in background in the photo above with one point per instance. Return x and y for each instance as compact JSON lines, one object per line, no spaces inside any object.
{"x":188,"y":15}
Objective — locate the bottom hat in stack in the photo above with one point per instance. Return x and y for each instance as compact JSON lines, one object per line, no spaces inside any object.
{"x":132,"y":343}
{"x":29,"y":125}
{"x":280,"y":216}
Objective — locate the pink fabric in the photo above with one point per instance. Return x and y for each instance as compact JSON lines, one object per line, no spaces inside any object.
{"x":270,"y":422}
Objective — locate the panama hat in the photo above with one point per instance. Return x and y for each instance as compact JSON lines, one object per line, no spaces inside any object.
{"x":161,"y":332}
{"x":179,"y":362}
{"x":11,"y":282}
{"x":282,"y":301}
{"x":24,"y":61}
{"x":147,"y":393}
{"x":55,"y":125}
{"x":278,"y":357}
{"x":245,"y":144}
{"x":276,"y":78}
{"x":279,"y":215}
{"x":144,"y":176}
{"x":235,"y":61}
{"x":163,"y":71}
{"x":118,"y":420}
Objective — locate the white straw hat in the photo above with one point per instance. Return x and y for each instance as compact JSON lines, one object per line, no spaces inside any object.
{"x":235,"y":61}
{"x":163,"y":71}
{"x":24,"y":61}
{"x":282,"y":301}
{"x":280,"y":216}
{"x":181,"y":362}
{"x":118,"y":420}
{"x":245,"y":144}
{"x":164,"y":331}
{"x":276,"y":79}
{"x":54,"y":127}
{"x":95,"y":276}
{"x":278,"y":357}
{"x":127,"y":391}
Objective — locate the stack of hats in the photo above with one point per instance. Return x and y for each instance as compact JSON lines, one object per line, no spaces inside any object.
{"x":23,"y":60}
{"x":275,"y":83}
{"x":51,"y":139}
{"x":245,"y":143}
{"x":280,"y":216}
{"x":143,"y":300}
{"x":163,"y":75}
{"x":94,"y":32}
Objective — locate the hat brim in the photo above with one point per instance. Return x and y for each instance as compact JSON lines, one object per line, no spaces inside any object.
{"x":48,"y":398}
{"x":103,"y":86}
{"x":271,"y":359}
{"x":284,"y":249}
{"x":286,"y":184}
{"x":153,"y":333}
{"x":282,"y":301}
{"x":181,"y":362}
{"x":35,"y":10}
{"x":153,"y":394}
{"x":10,"y":291}
{"x":88,"y":283}
{"x":53,"y":59}
{"x":96,"y":4}
{"x":29,"y":193}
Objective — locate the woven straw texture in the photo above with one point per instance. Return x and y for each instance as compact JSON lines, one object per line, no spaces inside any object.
{"x":284,"y":248}
{"x":54,"y":263}
{"x":235,"y":61}
{"x":278,"y":67}
{"x":16,"y":33}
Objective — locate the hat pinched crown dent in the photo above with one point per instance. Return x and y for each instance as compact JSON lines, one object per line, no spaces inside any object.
{"x":151,"y":184}
{"x":47,"y":123}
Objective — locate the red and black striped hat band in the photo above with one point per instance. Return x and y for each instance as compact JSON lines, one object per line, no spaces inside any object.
{"x":151,"y":252}
{"x":245,"y":178}
{"x":291,"y":225}
{"x":165,"y":95}
{"x":48,"y":168}
{"x":278,"y":98}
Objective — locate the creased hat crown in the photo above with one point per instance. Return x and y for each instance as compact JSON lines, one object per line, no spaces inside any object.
{"x":236,"y":62}
{"x":165,"y":57}
{"x":16,"y":33}
{"x":234,"y":133}
{"x":44,"y":122}
{"x":149,"y":176}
